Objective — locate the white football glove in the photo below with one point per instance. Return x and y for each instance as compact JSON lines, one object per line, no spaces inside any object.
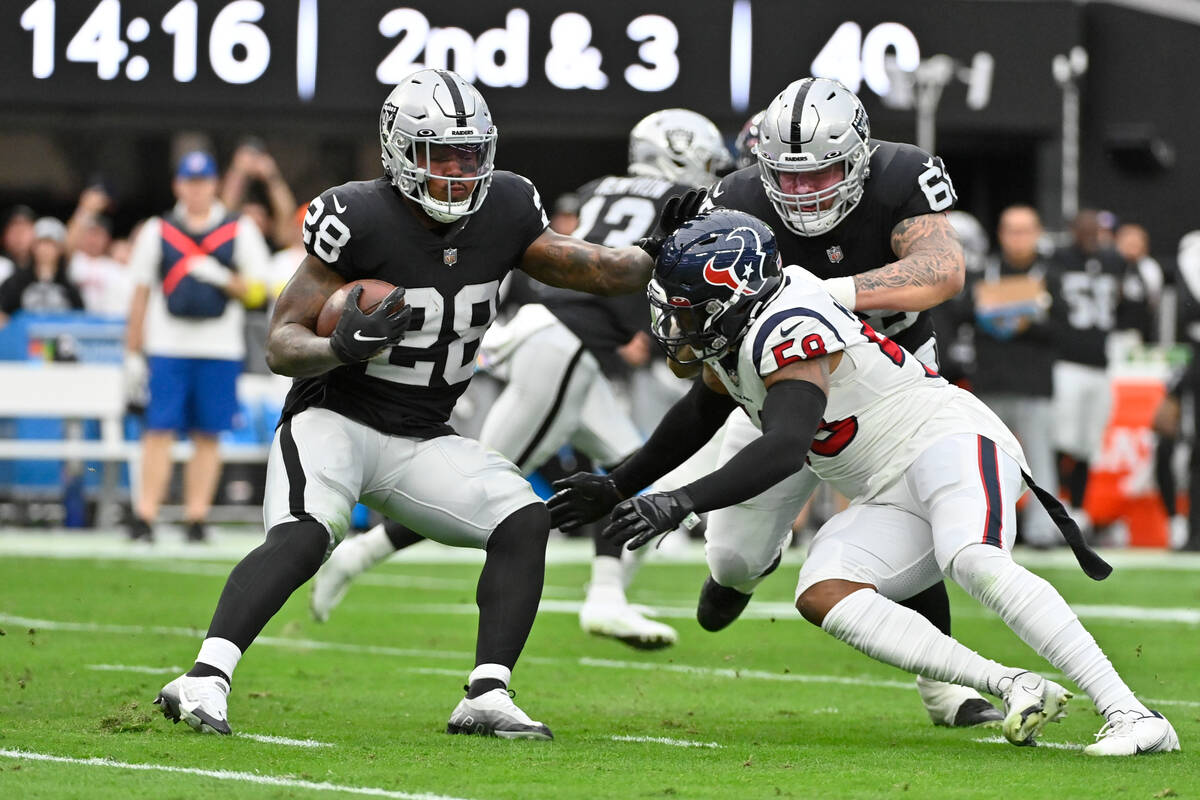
{"x":208,"y":270}
{"x":136,"y":375}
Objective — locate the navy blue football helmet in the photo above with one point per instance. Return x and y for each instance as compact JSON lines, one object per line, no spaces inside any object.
{"x":710,"y":278}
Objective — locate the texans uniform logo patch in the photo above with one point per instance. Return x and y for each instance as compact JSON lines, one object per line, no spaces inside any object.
{"x":450,"y":256}
{"x":835,"y":254}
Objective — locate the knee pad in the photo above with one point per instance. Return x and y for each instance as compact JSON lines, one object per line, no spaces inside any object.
{"x":302,"y":543}
{"x":983,"y":570}
{"x":731,"y":569}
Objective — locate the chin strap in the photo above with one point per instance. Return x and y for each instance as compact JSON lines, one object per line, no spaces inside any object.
{"x":1089,"y":560}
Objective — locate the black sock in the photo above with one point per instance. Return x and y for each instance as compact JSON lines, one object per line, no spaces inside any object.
{"x":482,"y":686}
{"x":200,"y":670}
{"x":1077,"y":483}
{"x":510,"y":585}
{"x":399,"y":535}
{"x":263,"y":581}
{"x":933,"y":604}
{"x":604,"y":547}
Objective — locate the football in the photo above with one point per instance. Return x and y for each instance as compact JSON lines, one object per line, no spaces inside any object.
{"x":372,"y":295}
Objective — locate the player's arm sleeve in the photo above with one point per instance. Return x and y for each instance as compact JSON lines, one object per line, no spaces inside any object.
{"x":790,"y":416}
{"x":533,"y":220}
{"x":331,"y":236}
{"x":685,"y":428}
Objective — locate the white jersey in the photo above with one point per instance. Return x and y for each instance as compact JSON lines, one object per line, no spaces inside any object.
{"x":885,"y":407}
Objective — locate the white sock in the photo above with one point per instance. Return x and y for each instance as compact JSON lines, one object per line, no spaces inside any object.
{"x":893,"y":634}
{"x":1036,"y":612}
{"x":497,"y":672}
{"x":220,"y":653}
{"x":631,"y":562}
{"x":608,"y":581}
{"x":357,"y":554}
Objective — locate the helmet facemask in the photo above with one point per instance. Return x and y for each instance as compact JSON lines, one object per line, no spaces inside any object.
{"x":816,"y":212}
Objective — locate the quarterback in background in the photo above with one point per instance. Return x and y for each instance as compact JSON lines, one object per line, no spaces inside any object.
{"x":366,"y":419}
{"x":557,"y":356}
{"x":932,"y":473}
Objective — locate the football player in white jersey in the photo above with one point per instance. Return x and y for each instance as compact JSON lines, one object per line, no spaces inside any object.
{"x":933,"y":474}
{"x":556,"y":357}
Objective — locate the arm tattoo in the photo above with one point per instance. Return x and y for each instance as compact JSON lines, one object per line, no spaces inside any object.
{"x":575,"y":264}
{"x":929,"y":255}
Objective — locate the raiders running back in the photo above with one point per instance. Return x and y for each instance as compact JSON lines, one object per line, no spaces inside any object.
{"x":903,"y":181}
{"x":362,"y":230}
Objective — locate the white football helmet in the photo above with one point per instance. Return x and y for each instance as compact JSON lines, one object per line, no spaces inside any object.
{"x":813,"y":125}
{"x":434,"y":107}
{"x":678,"y":145}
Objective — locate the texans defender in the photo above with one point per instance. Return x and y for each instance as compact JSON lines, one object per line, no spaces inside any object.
{"x":933,"y":474}
{"x":556,"y":356}
{"x":366,"y":419}
{"x":866,"y":215}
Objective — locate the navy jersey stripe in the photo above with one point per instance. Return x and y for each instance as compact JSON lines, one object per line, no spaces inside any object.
{"x":760,"y":341}
{"x":989,"y":472}
{"x":295,"y":472}
{"x":460,"y":110}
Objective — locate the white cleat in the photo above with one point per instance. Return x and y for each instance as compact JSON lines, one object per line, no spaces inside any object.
{"x":1132,"y":733}
{"x":1030,"y":702}
{"x":955,"y":706}
{"x":200,"y":702}
{"x":625,"y":624}
{"x":495,"y":714}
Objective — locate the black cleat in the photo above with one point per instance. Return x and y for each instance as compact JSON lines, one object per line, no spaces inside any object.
{"x":139,"y":530}
{"x":977,"y":713}
{"x":719,"y":605}
{"x":196,"y":532}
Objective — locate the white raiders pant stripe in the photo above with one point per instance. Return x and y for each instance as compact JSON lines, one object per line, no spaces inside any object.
{"x":295,"y":472}
{"x":548,"y":420}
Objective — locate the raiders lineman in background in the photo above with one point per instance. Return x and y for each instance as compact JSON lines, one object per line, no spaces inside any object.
{"x":866,"y":216}
{"x":556,"y":357}
{"x":366,"y":417}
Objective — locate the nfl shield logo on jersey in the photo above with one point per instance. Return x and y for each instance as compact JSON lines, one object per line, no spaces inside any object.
{"x":450,"y":256}
{"x":834,"y":253}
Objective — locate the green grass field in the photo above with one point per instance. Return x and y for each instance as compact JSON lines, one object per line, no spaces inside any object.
{"x":771,"y":707}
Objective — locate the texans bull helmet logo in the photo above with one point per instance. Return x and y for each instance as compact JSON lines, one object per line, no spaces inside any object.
{"x":747,"y":239}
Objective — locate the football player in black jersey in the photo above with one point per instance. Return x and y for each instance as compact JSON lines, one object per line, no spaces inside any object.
{"x":556,"y":356}
{"x":366,"y":416}
{"x":866,"y":216}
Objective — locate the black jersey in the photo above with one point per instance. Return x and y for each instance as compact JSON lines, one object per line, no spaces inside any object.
{"x":1086,"y":291}
{"x":904,"y":182}
{"x":365,"y":229}
{"x":616,"y":212}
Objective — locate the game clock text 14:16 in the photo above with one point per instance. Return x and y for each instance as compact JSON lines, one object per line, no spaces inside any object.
{"x":238,"y":50}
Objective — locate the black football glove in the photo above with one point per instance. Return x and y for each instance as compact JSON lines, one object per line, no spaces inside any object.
{"x":359,"y":336}
{"x":639,"y":519}
{"x":582,"y":498}
{"x":678,"y":210}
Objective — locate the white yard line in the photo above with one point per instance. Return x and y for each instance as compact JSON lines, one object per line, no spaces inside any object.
{"x":666,"y":740}
{"x":233,"y":542}
{"x":1040,"y":743}
{"x":134,"y":668}
{"x":463,"y":656}
{"x":267,"y":739}
{"x":227,"y":775}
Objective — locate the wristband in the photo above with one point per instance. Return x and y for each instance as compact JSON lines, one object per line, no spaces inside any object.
{"x":842,"y":289}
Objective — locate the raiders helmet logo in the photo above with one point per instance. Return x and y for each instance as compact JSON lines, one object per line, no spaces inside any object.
{"x":835,"y":254}
{"x":450,"y":256}
{"x":386,"y":118}
{"x":679,"y":140}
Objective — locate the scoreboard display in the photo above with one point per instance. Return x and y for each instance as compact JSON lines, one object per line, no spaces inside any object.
{"x":568,"y":65}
